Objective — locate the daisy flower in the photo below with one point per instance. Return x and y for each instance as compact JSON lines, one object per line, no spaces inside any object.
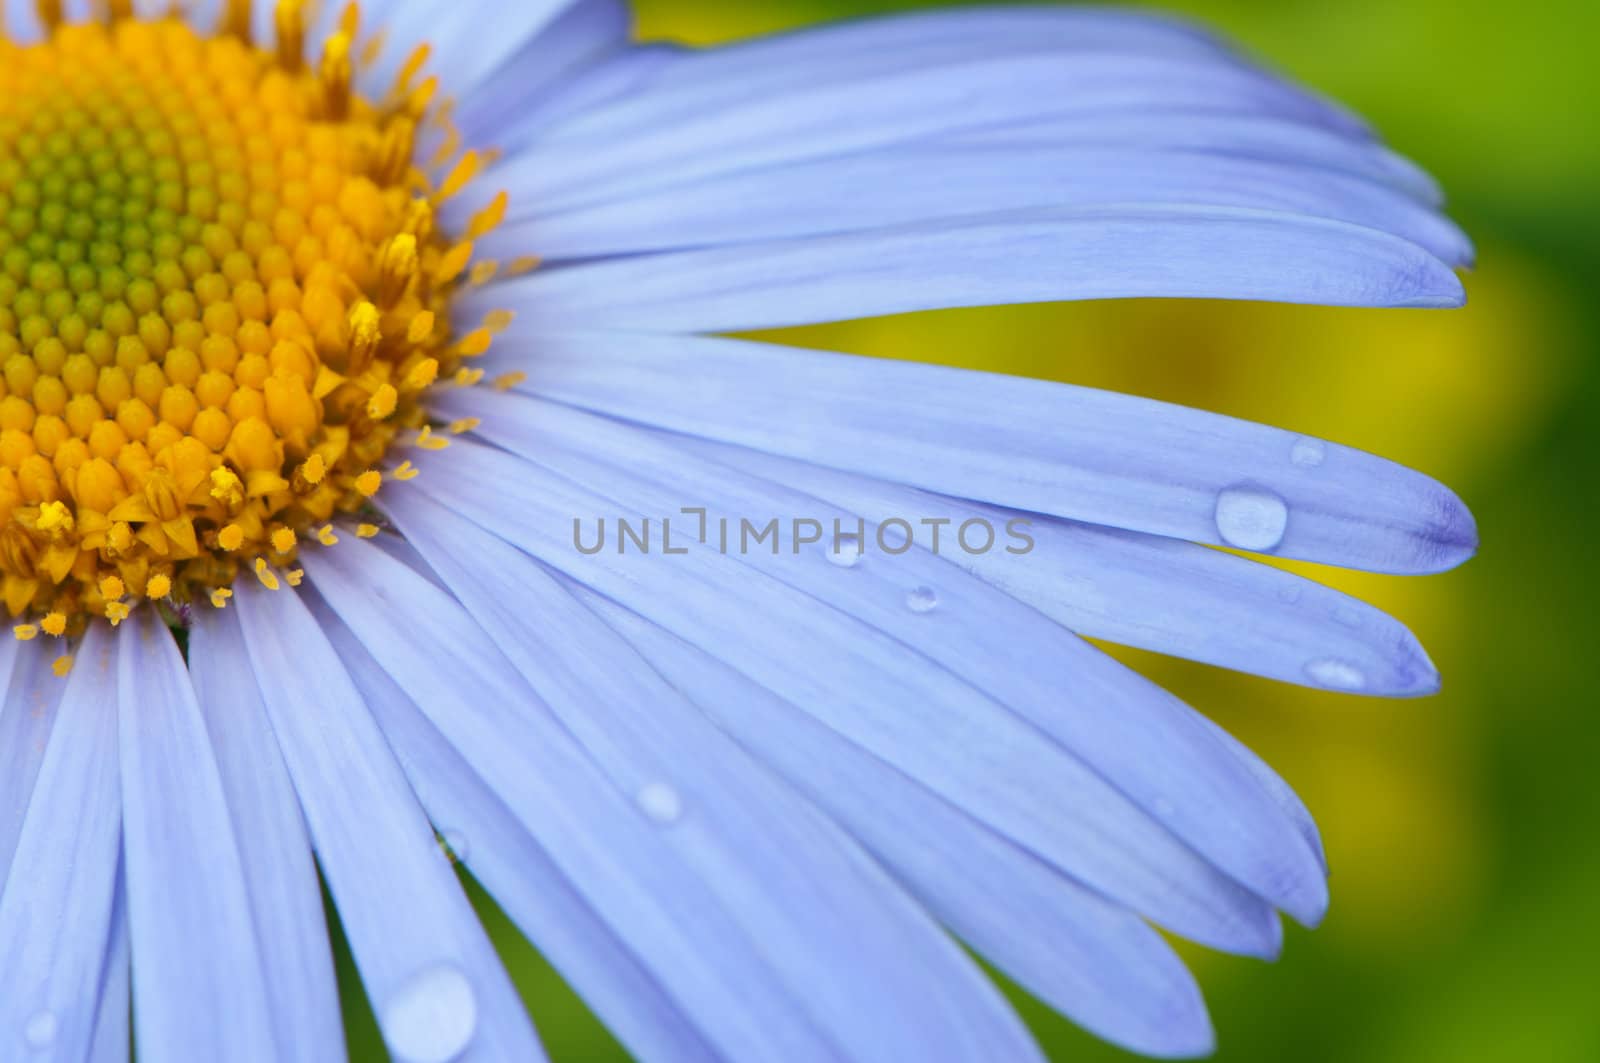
{"x":334,"y":338}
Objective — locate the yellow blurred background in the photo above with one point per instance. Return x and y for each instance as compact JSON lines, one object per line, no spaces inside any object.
{"x":1460,"y":828}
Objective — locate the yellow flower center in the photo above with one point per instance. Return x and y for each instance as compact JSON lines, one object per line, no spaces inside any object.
{"x":223,"y":298}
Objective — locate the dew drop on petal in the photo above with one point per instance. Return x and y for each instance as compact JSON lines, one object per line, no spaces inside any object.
{"x":1347,"y":616}
{"x":40,"y":1030}
{"x":1307,"y":453}
{"x":660,"y":802}
{"x":846,"y":553}
{"x":922,"y":600}
{"x":1336,"y":674}
{"x":432,"y":1017}
{"x":1289,"y":593}
{"x":1251,"y":518}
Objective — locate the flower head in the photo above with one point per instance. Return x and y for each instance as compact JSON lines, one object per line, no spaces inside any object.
{"x":220,"y":274}
{"x":322,"y":329}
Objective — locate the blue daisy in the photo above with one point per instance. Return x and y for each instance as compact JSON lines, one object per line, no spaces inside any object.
{"x":378,"y":491}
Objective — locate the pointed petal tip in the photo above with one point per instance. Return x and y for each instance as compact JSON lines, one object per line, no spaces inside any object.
{"x":1259,"y":939}
{"x":1271,"y":945}
{"x":1401,"y":668}
{"x":1434,"y":285}
{"x":1456,"y":247}
{"x":1419,"y":684}
{"x":1304,"y":898}
{"x":1453,"y":533}
{"x":1437,"y":532}
{"x":1182,"y":1029}
{"x":1416,"y":676}
{"x":1181,"y":1043}
{"x":1314,"y":910}
{"x":1165,"y":1017}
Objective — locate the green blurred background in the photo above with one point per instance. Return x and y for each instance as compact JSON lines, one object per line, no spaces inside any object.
{"x":1461,"y":830}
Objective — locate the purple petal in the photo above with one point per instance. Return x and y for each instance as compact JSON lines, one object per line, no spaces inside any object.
{"x":862,"y":962}
{"x":1072,"y":452}
{"x":436,"y":984}
{"x":200,"y":993}
{"x":57,"y":904}
{"x":881,"y":693}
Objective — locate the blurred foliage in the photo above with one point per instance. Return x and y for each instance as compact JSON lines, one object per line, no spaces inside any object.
{"x":1460,"y":828}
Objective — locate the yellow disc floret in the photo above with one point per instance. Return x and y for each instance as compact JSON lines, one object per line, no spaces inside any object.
{"x":222,"y":299}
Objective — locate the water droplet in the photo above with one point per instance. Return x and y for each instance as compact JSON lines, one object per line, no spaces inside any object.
{"x":456,"y":845}
{"x":1308,"y":453}
{"x":1251,"y":518}
{"x":40,"y":1030}
{"x":660,"y":802}
{"x":1336,"y":674}
{"x":1289,"y":593}
{"x":1347,"y":616}
{"x":432,"y":1017}
{"x":922,"y":600}
{"x":847,"y":554}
